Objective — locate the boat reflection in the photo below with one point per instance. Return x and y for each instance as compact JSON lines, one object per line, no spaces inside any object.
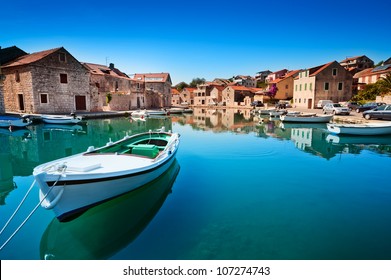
{"x":105,"y":229}
{"x":6,"y":177}
{"x":359,"y":140}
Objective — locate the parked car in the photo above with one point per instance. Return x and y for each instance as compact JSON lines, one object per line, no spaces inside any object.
{"x":321,"y":103}
{"x":336,"y":109}
{"x":368,"y":106}
{"x":353,"y":105}
{"x":380,"y":112}
{"x":283,"y":104}
{"x":257,"y":103}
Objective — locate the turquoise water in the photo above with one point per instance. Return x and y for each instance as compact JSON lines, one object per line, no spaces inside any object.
{"x":238,"y":190}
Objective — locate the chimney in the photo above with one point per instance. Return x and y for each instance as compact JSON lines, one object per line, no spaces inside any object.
{"x":111,"y":66}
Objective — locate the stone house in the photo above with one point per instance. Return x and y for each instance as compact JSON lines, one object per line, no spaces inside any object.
{"x":216,"y":95}
{"x":262,"y":75}
{"x":275,"y":75}
{"x":233,"y":96}
{"x":285,"y":85}
{"x":187,"y":95}
{"x":330,"y":81}
{"x":357,"y":63}
{"x":110,"y":87}
{"x":246,"y":81}
{"x":153,"y":90}
{"x":175,"y":97}
{"x":50,"y":81}
{"x":7,"y":55}
{"x":202,"y":94}
{"x":372,"y":75}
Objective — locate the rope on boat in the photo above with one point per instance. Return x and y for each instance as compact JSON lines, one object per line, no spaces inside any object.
{"x":17,"y":208}
{"x":28,"y":216}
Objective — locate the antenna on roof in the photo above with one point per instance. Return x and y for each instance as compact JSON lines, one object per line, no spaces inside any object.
{"x":107,"y":59}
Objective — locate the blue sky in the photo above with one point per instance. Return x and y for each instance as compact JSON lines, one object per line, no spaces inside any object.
{"x":205,"y":39}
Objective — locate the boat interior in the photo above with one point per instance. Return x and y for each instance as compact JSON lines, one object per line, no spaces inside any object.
{"x":148,"y":147}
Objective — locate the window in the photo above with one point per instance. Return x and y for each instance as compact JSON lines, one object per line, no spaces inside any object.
{"x":61,"y":57}
{"x":286,"y":86}
{"x":300,"y":87}
{"x":311,"y":86}
{"x":305,"y":86}
{"x":326,"y":86}
{"x":44,"y":98}
{"x":334,"y":70}
{"x":340,"y":86}
{"x":63,"y":78}
{"x":17,"y":76}
{"x":295,"y":87}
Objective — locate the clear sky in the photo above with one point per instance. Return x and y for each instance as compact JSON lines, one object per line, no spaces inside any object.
{"x":201,"y":39}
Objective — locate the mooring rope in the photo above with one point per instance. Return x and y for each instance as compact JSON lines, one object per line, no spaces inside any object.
{"x":29,"y":215}
{"x":17,"y":208}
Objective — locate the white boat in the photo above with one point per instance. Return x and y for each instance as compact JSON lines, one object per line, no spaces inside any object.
{"x":360,"y":129}
{"x":175,"y":111}
{"x":72,"y":184}
{"x":277,"y":113}
{"x":14,"y":122}
{"x":61,"y":119}
{"x":120,"y":220}
{"x":306,"y":118}
{"x":156,"y":112}
{"x":140,"y":114}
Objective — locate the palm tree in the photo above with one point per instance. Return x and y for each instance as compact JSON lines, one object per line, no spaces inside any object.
{"x":385,"y":84}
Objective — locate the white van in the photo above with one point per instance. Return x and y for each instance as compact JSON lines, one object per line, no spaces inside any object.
{"x":321,"y":103}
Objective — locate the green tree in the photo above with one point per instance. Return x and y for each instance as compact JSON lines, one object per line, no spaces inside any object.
{"x":197,"y":81}
{"x":181,"y":86}
{"x":385,"y":84}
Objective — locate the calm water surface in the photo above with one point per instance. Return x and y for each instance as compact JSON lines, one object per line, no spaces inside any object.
{"x":238,"y":190}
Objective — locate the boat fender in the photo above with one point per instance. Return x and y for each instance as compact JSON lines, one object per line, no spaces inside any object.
{"x":51,"y":204}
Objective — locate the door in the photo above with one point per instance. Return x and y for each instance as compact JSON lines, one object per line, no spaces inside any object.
{"x":309,"y":103}
{"x":80,"y":101}
{"x":21,"y":102}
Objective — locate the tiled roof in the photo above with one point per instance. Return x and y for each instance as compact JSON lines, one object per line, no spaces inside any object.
{"x":30,"y":58}
{"x":240,"y":88}
{"x":153,"y":77}
{"x":97,"y":69}
{"x":190,"y":89}
{"x":351,"y":58}
{"x":316,"y":70}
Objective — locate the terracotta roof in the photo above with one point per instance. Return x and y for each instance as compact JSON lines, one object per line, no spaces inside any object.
{"x":174,"y":91}
{"x":30,"y":58}
{"x":316,"y":70}
{"x":351,"y":58}
{"x":243,"y":88}
{"x":98,"y":69}
{"x":153,"y":77}
{"x":190,"y":89}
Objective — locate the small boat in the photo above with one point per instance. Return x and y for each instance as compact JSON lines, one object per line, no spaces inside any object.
{"x":72,"y":184}
{"x":358,"y":140}
{"x":156,"y":112}
{"x":140,"y":114}
{"x":61,"y":119}
{"x":175,"y":111}
{"x":360,"y":129}
{"x":11,"y":122}
{"x":277,"y":113}
{"x":306,"y":118}
{"x":92,"y":235}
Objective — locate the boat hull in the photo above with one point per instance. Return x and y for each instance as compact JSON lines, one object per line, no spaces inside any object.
{"x":10,"y":122}
{"x":360,"y":129}
{"x":74,"y":198}
{"x":310,"y":119}
{"x":61,"y":119}
{"x":72,"y":184}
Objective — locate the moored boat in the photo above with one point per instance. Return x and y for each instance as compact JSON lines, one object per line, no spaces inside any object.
{"x":360,"y":129}
{"x":140,"y":114}
{"x":121,"y":220}
{"x":306,"y":118}
{"x":71,"y":184}
{"x":11,"y":122}
{"x":61,"y":119}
